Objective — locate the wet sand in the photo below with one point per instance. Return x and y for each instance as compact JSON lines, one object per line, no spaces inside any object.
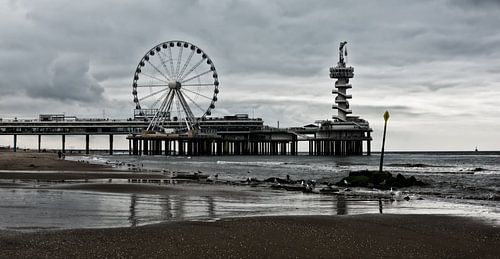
{"x":361,"y":236}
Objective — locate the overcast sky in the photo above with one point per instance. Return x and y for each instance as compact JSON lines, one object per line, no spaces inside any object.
{"x":435,"y":65}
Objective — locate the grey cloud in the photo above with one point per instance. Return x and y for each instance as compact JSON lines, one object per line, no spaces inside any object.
{"x":69,"y":80}
{"x":475,"y":3}
{"x":378,"y":110}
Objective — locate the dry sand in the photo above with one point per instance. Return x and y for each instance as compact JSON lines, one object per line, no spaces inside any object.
{"x":27,"y":160}
{"x":362,"y":236}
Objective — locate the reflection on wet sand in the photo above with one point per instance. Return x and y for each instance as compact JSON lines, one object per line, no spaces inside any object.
{"x":341,"y":205}
{"x":166,"y":206}
{"x":133,"y":219}
{"x":34,"y":209}
{"x":170,"y":207}
{"x":211,"y":207}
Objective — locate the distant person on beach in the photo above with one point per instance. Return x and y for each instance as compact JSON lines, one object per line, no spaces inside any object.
{"x":59,"y":154}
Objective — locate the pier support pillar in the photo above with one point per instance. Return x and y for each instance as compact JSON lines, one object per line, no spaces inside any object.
{"x":368,"y":145}
{"x":145,"y":147}
{"x":63,"y":148}
{"x":87,"y":144}
{"x":110,"y":144}
{"x":15,"y":143}
{"x":39,"y":143}
{"x":135,"y":148}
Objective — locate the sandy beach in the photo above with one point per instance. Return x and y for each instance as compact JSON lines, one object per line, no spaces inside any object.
{"x":349,"y":236}
{"x":363,"y":236}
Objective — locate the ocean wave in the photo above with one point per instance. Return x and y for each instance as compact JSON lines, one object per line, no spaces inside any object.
{"x":251,"y":163}
{"x":419,"y":165}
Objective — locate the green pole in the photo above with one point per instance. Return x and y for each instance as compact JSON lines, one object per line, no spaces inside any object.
{"x":386,"y":118}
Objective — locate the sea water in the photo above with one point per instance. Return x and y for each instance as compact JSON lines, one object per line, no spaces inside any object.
{"x":458,"y":183}
{"x":459,"y":175}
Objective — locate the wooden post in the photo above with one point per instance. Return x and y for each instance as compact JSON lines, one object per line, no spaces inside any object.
{"x":386,"y":117}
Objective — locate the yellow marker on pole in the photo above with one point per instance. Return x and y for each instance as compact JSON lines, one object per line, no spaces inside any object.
{"x":386,"y":118}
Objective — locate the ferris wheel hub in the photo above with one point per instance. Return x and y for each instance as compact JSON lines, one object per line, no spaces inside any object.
{"x":174,"y":85}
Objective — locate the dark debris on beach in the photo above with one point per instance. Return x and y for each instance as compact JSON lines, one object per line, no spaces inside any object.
{"x":379,"y":180}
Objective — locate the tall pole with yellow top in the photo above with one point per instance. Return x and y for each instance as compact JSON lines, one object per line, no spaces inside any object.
{"x":386,"y":118}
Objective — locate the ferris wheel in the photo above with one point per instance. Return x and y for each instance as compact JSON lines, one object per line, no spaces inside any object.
{"x":175,"y":83}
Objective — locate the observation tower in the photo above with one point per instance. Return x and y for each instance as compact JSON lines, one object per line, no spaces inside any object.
{"x":342,"y":73}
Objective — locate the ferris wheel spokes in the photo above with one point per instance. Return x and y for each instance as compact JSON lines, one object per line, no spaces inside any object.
{"x":171,"y":62}
{"x":196,"y":76}
{"x":154,"y":77}
{"x":187,"y":62}
{"x":158,"y":70}
{"x":164,"y":65}
{"x":191,"y":70}
{"x":179,"y":58}
{"x":152,"y":94}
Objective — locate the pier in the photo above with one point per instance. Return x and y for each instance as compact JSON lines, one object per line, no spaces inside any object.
{"x":164,"y":121}
{"x":232,"y":135}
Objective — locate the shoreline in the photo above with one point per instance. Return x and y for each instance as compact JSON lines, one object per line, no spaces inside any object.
{"x":369,"y":235}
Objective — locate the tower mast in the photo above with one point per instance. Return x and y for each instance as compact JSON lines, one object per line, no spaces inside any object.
{"x":342,"y":73}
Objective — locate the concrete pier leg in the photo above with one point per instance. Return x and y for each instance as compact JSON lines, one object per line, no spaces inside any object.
{"x":225,"y":150}
{"x":158,"y":149}
{"x":368,"y":145}
{"x":145,"y":147}
{"x":63,"y":143}
{"x":135,"y":149}
{"x":338,"y":148}
{"x":39,"y":143}
{"x":87,"y":144}
{"x":111,"y":144}
{"x":15,"y":143}
{"x":189,"y":148}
